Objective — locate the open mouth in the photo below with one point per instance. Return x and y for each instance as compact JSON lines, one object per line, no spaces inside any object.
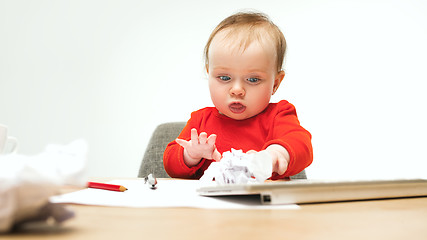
{"x":237,"y":107}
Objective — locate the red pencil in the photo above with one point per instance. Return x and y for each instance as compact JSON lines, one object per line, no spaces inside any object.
{"x":106,"y":186}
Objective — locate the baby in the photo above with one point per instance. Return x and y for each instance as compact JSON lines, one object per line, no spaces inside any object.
{"x":243,"y":58}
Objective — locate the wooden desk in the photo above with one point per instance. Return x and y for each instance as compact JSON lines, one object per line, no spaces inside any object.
{"x":380,"y":219}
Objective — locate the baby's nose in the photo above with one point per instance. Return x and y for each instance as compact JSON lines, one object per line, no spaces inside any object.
{"x":237,"y":89}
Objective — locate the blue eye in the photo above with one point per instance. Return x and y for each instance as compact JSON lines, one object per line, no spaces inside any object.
{"x":224,"y":78}
{"x":253,"y":80}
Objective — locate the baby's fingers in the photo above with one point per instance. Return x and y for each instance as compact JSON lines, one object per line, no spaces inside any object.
{"x":211,"y":139}
{"x":216,"y":156}
{"x":203,"y":138}
{"x":183,"y":143}
{"x":194,"y":136}
{"x":280,"y":167}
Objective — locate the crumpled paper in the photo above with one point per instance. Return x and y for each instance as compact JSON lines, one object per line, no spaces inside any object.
{"x":27,"y":182}
{"x":237,"y":167}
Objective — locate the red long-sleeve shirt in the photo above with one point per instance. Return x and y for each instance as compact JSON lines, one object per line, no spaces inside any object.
{"x":277,"y":124}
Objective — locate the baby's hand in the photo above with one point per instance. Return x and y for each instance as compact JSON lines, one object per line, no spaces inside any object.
{"x":280,"y":157}
{"x":199,"y":147}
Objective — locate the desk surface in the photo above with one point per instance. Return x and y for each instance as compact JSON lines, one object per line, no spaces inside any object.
{"x":380,"y":219}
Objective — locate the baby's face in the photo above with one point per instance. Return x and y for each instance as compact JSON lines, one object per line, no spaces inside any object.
{"x":241,"y":83}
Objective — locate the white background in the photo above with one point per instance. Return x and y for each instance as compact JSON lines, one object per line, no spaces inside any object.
{"x":111,"y":71}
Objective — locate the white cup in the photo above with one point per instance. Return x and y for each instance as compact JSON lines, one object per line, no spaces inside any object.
{"x":8,"y":144}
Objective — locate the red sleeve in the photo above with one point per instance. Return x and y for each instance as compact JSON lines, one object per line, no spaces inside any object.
{"x":297,"y":141}
{"x":173,"y":157}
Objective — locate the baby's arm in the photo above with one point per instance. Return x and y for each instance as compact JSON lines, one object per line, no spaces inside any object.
{"x":280,"y":157}
{"x":199,"y":147}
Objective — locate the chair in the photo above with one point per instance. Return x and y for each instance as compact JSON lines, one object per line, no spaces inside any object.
{"x":152,"y":162}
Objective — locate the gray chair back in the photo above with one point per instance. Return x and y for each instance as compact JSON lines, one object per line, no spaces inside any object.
{"x":152,"y":162}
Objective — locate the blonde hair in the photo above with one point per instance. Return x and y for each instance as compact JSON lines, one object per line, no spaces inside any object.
{"x":250,"y":26}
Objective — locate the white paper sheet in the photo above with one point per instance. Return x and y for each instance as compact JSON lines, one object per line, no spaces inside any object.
{"x":169,"y":193}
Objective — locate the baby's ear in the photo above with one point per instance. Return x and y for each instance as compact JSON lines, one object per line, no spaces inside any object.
{"x":279,"y":78}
